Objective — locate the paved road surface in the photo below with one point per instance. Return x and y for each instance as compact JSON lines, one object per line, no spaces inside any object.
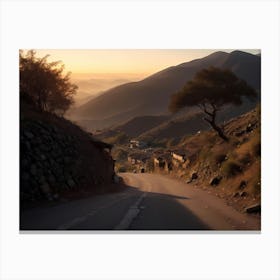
{"x":150,"y":202}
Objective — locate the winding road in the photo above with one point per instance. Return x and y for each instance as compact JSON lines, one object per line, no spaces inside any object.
{"x":150,"y":202}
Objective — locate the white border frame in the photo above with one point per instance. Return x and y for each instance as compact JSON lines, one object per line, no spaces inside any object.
{"x":140,"y":24}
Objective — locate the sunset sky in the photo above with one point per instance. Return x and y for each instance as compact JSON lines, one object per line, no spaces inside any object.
{"x":132,"y":61}
{"x":95,"y":71}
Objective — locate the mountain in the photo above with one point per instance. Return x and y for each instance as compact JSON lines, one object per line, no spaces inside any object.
{"x":190,"y":124}
{"x":151,"y":95}
{"x":139,"y":125}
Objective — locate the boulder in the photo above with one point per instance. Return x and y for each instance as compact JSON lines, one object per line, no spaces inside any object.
{"x":256,"y":208}
{"x":215,"y":181}
{"x":242,"y":184}
{"x":25,"y":176}
{"x":43,"y":157}
{"x":45,"y":188}
{"x":249,"y":127}
{"x":33,"y":170}
{"x":51,"y":179}
{"x":42,"y":179}
{"x":29,"y":134}
{"x":71,"y":182}
{"x":237,"y":194}
{"x":194,"y":176}
{"x":243,"y":194}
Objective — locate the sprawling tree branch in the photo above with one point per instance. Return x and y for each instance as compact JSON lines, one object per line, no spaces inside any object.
{"x":211,"y":89}
{"x":212,"y":121}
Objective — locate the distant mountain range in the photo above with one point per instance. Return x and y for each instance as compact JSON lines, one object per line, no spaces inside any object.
{"x":150,"y":97}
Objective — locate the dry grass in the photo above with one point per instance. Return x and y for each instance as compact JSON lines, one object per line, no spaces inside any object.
{"x":237,"y":161}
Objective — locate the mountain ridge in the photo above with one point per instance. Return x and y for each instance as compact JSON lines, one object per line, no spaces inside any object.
{"x":150,"y":96}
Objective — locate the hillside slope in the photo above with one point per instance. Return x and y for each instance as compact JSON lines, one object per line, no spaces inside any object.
{"x":139,"y":125}
{"x":230,"y":170}
{"x":57,"y":156}
{"x":151,"y":95}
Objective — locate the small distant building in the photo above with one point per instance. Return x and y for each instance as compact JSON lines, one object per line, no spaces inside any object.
{"x":163,"y":162}
{"x":137,"y":144}
{"x":159,"y":162}
{"x":179,"y":156}
{"x":131,"y":159}
{"x":137,"y":158}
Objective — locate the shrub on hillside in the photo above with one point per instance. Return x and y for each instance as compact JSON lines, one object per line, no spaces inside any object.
{"x":231,"y":168}
{"x":245,"y":158}
{"x":220,"y":158}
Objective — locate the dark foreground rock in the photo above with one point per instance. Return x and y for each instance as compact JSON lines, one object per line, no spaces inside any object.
{"x":256,"y":208}
{"x":58,"y":156}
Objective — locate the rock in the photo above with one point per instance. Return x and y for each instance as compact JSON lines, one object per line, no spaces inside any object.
{"x":45,"y":188}
{"x":24,"y":162}
{"x":51,"y":179}
{"x":242,"y":185}
{"x":249,"y":127}
{"x":27,"y":145}
{"x":29,"y":134}
{"x":59,"y":160}
{"x":45,"y":148}
{"x":42,"y":179}
{"x":256,"y":208}
{"x":33,"y":170}
{"x":67,"y":160}
{"x":25,"y":176}
{"x":243,"y":194}
{"x":215,"y":181}
{"x":71,"y":182}
{"x":43,"y":157}
{"x":116,"y":179}
{"x":194,"y":176}
{"x":236,"y":194}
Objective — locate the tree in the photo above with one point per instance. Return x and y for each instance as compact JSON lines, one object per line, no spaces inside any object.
{"x":210,"y":90}
{"x":44,"y":83}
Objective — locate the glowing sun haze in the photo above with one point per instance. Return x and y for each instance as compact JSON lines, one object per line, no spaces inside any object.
{"x":95,"y":71}
{"x":132,"y":61}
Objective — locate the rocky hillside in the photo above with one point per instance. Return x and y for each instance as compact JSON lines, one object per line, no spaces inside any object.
{"x":57,"y":156}
{"x":230,"y":170}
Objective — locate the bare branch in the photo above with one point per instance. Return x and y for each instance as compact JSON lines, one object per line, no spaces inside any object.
{"x":207,"y":120}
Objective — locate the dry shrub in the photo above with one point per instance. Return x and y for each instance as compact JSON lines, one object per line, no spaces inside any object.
{"x":254,"y":178}
{"x":248,"y":151}
{"x":219,"y":158}
{"x":245,"y":159}
{"x":231,"y":168}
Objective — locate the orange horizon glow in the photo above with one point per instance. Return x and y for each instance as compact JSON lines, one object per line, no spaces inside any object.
{"x":126,"y":62}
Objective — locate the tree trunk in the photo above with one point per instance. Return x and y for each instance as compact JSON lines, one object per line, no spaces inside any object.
{"x":212,"y":121}
{"x":219,"y":131}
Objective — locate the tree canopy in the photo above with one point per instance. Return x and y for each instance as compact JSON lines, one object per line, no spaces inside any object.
{"x":210,"y":90}
{"x":44,"y":83}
